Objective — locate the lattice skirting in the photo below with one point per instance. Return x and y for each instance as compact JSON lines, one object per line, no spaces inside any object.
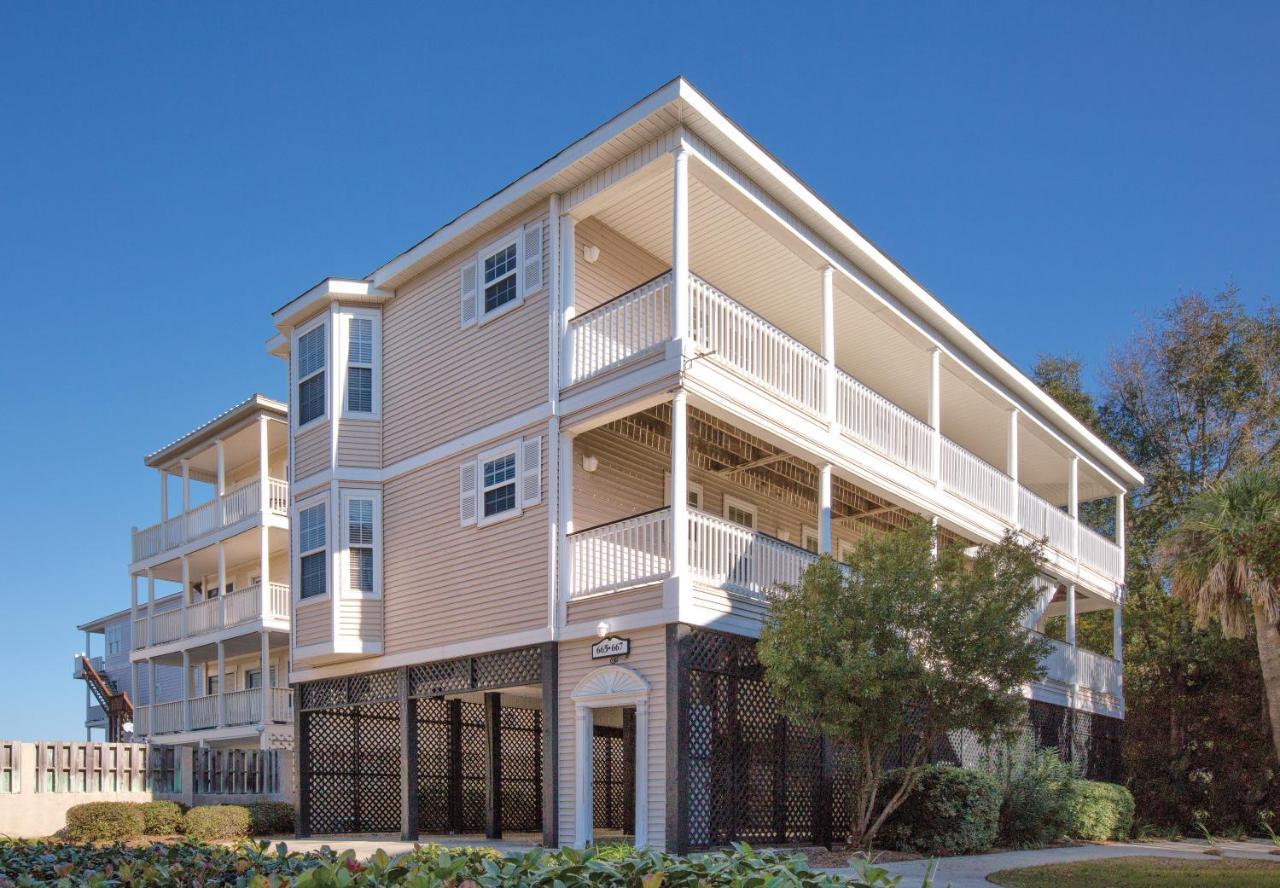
{"x":754,"y":777}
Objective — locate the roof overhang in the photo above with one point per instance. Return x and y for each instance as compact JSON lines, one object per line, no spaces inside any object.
{"x":220,"y":424}
{"x":328,"y":290}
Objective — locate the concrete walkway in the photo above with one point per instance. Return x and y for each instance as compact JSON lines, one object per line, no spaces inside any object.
{"x":972,"y":871}
{"x":365,"y":845}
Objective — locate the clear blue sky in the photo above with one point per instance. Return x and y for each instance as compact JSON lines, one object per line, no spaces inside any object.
{"x":171,"y":173}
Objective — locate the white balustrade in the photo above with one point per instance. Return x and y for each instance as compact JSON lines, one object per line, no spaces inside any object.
{"x":876,"y":422}
{"x":1098,"y":672}
{"x":748,"y":343}
{"x":231,"y":508}
{"x":147,"y":542}
{"x":243,"y":605}
{"x":166,"y":626}
{"x":277,"y":495}
{"x":622,"y":328}
{"x":282,"y":705}
{"x":202,"y":712}
{"x":620,"y":555}
{"x":202,"y":519}
{"x":279,"y":601}
{"x":977,"y":481}
{"x":1100,"y":553}
{"x":168,"y":718}
{"x":240,"y":503}
{"x":731,"y":557}
{"x":141,"y":721}
{"x":244,"y":707}
{"x":140,"y":633}
{"x":1042,"y":519}
{"x":204,"y":616}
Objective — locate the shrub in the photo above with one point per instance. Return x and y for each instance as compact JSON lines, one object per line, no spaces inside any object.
{"x":208,"y":822}
{"x":161,"y":818}
{"x":950,"y":811}
{"x":1100,"y":811}
{"x":270,"y":818}
{"x":104,"y":821}
{"x":1036,"y":789}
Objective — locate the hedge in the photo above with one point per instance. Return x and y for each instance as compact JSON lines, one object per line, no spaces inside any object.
{"x":1100,"y":811}
{"x":270,"y":818}
{"x":161,"y":818}
{"x":104,"y":821}
{"x":209,"y":822}
{"x":950,"y":811}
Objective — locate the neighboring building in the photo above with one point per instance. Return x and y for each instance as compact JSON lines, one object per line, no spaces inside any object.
{"x":209,"y":664}
{"x":624,"y":397}
{"x":114,"y":674}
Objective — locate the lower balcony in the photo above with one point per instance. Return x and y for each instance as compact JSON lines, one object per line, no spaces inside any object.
{"x":239,"y":608}
{"x":1090,"y":679}
{"x":232,"y":709}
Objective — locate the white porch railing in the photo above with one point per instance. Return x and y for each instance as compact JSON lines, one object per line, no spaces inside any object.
{"x":244,"y":605}
{"x":977,"y":481}
{"x":166,"y":627}
{"x":202,"y":712}
{"x":141,"y":721}
{"x":1100,"y":553}
{"x":204,"y":616}
{"x":871,"y":419}
{"x":626,"y":553}
{"x":234,"y":609}
{"x":282,"y":705}
{"x":167,"y":718}
{"x":751,"y":345}
{"x":279,"y":601}
{"x":1076,"y":667}
{"x":620,"y":329}
{"x":244,"y":707}
{"x":140,"y":637}
{"x":1041,"y":518}
{"x":731,"y":557}
{"x":231,"y":508}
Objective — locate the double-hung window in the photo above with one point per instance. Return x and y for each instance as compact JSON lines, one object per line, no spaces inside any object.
{"x":311,"y":365}
{"x":740,"y":512}
{"x":114,"y":633}
{"x":360,"y":357}
{"x":501,"y":482}
{"x":312,"y":552}
{"x":499,"y":276}
{"x":361,"y":520}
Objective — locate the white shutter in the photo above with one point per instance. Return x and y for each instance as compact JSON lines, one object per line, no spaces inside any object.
{"x":469,"y":307}
{"x":532,"y":257}
{"x":467,"y":493}
{"x":531,"y":471}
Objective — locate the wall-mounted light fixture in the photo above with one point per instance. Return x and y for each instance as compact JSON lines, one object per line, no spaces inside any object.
{"x":590,"y":252}
{"x":589,"y":463}
{"x":602,"y":628}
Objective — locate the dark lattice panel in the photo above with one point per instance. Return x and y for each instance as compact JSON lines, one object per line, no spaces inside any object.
{"x":323,"y":694}
{"x":1090,"y":741}
{"x":443,"y":677}
{"x":608,"y":779}
{"x":503,"y":669}
{"x":521,"y":769}
{"x":355,"y":769}
{"x":369,"y":687}
{"x":473,"y":758}
{"x":435,"y":813}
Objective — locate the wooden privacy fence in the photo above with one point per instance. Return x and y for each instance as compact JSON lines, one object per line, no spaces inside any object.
{"x":236,"y":772}
{"x":65,"y":766}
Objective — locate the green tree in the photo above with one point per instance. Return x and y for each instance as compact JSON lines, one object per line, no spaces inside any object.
{"x":1059,"y":376}
{"x":1222,"y":561}
{"x":899,"y":648}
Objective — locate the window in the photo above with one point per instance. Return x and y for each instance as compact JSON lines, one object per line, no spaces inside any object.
{"x":694,"y":495}
{"x":114,"y":634}
{"x":253,"y":678}
{"x":501,"y":482}
{"x":740,"y":512}
{"x":360,"y":356}
{"x":502,"y":274}
{"x":312,"y":553}
{"x":501,"y":284}
{"x":361,"y":531}
{"x":809,"y":539}
{"x":311,"y":361}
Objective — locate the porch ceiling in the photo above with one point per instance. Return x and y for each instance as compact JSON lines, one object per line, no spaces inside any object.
{"x":239,"y":549}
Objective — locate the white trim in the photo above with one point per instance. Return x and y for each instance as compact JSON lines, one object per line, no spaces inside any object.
{"x":693,"y":487}
{"x":522,"y":420}
{"x":742,"y":505}
{"x":375,"y":366}
{"x":507,"y":448}
{"x":418,"y":655}
{"x":295,"y":413}
{"x":601,"y":688}
{"x":320,"y":500}
{"x":347,"y":494}
{"x":514,"y":238}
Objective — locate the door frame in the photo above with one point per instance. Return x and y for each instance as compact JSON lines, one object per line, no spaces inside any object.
{"x":599,"y":689}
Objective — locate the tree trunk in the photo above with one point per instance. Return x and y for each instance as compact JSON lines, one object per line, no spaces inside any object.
{"x":1269,"y":658}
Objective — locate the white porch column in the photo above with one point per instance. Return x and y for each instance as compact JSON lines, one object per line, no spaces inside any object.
{"x":151,"y":607}
{"x":564,"y":499}
{"x":264,"y":569}
{"x":679,"y":485}
{"x":935,"y":412}
{"x":134,"y":689}
{"x":164,"y":499}
{"x":825,"y":545}
{"x":1012,"y":468}
{"x":568,"y":294}
{"x":133,"y":609}
{"x":152,"y":696}
{"x":1117,"y":633}
{"x":829,"y":347}
{"x":680,"y":250}
{"x":186,"y":690}
{"x":1071,"y":614}
{"x":222,"y":585}
{"x":264,"y":659}
{"x":1120,"y":530}
{"x":1073,"y":505}
{"x":221,"y":460}
{"x":88,"y":700}
{"x":186,"y":490}
{"x":222,"y":691}
{"x":186,"y":593}
{"x":264,"y":464}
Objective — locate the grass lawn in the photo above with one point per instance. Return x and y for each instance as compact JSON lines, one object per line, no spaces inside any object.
{"x":1144,"y":872}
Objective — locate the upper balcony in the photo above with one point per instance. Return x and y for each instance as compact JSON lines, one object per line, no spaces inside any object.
{"x":231,"y":471}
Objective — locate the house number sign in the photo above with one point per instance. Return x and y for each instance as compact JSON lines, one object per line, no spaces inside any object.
{"x":611,"y":648}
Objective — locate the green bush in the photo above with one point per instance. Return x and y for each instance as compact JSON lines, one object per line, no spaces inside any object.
{"x":950,"y":811}
{"x":161,"y":818}
{"x":1037,"y":790}
{"x":208,"y":822}
{"x":104,"y":821}
{"x":1100,"y":811}
{"x":270,"y":818}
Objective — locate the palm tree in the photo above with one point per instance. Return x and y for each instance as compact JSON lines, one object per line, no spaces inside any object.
{"x":1223,"y":561}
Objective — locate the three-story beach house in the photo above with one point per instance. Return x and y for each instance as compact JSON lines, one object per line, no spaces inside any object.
{"x":546,"y":464}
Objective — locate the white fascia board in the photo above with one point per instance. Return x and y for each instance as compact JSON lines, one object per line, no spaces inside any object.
{"x":930,"y":308}
{"x":278,"y":346}
{"x":327,"y":291}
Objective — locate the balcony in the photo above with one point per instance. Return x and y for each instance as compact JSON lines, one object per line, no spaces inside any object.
{"x":241,"y":708}
{"x":227,"y":510}
{"x":1075,"y":668}
{"x":638,"y":323}
{"x":238,"y":608}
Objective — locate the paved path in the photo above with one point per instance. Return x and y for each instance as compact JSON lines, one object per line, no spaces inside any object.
{"x":972,"y":871}
{"x":365,"y":845}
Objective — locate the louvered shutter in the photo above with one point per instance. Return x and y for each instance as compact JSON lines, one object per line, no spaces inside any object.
{"x":469,"y":294}
{"x":531,"y":471}
{"x":467,"y":493}
{"x":532,"y":257}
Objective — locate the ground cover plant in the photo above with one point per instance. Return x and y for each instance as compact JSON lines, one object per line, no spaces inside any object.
{"x":1144,"y":872}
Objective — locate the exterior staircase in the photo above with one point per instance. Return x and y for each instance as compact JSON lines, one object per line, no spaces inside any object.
{"x":114,"y":702}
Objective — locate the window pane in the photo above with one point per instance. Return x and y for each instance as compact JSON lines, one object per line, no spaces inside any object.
{"x":741,"y":516}
{"x":311,"y":352}
{"x":313,"y":575}
{"x":311,"y":399}
{"x":311,"y":529}
{"x":499,"y":264}
{"x":499,"y":294}
{"x":500,"y":499}
{"x":361,"y":570}
{"x":496,"y":471}
{"x":359,"y":390}
{"x":360,"y":522}
{"x":360,"y":341}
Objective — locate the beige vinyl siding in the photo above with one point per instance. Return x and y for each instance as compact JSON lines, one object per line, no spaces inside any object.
{"x":311,"y":449}
{"x":441,"y":380}
{"x":312,"y":622}
{"x":360,"y":618}
{"x":444,"y":583}
{"x":604,"y":607}
{"x":622,"y":265}
{"x":360,"y":443}
{"x":649,"y":659}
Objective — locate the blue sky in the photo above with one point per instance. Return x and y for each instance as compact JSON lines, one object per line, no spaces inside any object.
{"x":171,"y":173}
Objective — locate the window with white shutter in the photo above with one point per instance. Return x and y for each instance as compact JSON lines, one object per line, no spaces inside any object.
{"x":360,"y":365}
{"x":532,"y":258}
{"x":467,"y":493}
{"x":531,"y":471}
{"x":501,"y":482}
{"x":312,"y":346}
{"x":360,"y":510}
{"x":312,"y":552}
{"x":501,"y":275}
